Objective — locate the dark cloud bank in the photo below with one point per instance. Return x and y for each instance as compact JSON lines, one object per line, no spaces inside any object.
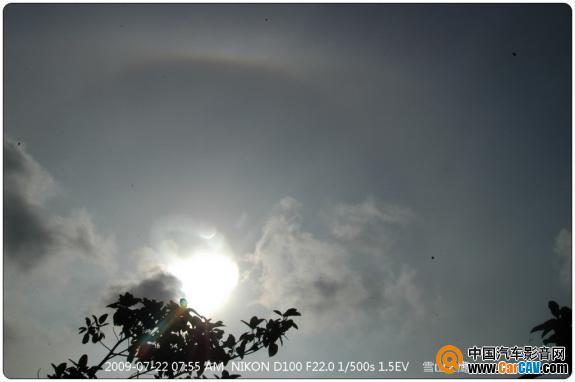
{"x":159,"y":285}
{"x":31,"y":232}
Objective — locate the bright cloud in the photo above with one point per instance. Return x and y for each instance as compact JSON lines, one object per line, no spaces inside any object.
{"x":342,"y":278}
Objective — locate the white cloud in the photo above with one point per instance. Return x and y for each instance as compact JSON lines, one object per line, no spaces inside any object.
{"x":349,"y":221}
{"x":341,"y":279}
{"x":563,"y":252}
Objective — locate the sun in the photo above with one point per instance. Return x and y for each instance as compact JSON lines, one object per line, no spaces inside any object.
{"x":207,"y":280}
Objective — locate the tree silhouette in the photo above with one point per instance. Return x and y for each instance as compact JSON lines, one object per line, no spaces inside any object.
{"x":559,"y":329}
{"x":170,"y":340}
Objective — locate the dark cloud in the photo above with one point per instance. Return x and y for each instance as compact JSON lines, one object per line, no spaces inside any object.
{"x":160,"y":285}
{"x":27,"y":235}
{"x":31,"y":233}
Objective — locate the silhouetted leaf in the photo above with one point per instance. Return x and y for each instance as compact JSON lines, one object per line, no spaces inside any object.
{"x":85,"y":338}
{"x":278,"y":312}
{"x":291,"y":312}
{"x":102,"y":318}
{"x":241,"y":349}
{"x":230,"y":342}
{"x":554,"y":308}
{"x":88,"y":323}
{"x":543,"y":326}
{"x":272,"y":349}
{"x":248,"y":337}
{"x":61,"y":368}
{"x":83,"y":361}
{"x":254,"y":322}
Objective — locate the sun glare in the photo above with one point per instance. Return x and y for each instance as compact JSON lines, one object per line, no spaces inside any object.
{"x":207,"y":280}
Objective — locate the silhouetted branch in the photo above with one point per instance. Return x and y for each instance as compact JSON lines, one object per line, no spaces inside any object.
{"x":158,"y":333}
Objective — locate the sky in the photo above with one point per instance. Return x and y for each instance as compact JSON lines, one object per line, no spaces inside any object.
{"x":401,"y":174}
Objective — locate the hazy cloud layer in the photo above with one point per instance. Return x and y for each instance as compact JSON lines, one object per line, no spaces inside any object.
{"x":347,"y":274}
{"x":31,"y":233}
{"x":563,"y":252}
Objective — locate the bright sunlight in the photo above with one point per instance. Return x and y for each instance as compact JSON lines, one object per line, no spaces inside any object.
{"x":207,"y":280}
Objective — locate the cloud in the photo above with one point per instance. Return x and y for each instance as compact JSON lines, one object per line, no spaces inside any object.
{"x":158,"y":285}
{"x":352,"y":221}
{"x":31,"y":233}
{"x":346,"y":276}
{"x":563,"y":252}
